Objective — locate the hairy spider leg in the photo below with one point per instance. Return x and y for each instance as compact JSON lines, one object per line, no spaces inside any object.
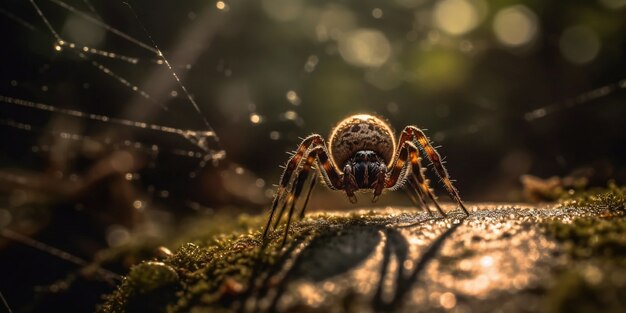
{"x":417,"y":175}
{"x":313,"y":145}
{"x":380,"y":182}
{"x":292,"y":164}
{"x":331,"y":176}
{"x":415,"y":193}
{"x":328,"y":171}
{"x":349,"y":183}
{"x":308,"y":195}
{"x":414,"y":134}
{"x":282,"y":208}
{"x":298,"y":185}
{"x":398,"y":174}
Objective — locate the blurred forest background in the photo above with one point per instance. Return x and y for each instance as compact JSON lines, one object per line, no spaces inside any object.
{"x":100,"y":143}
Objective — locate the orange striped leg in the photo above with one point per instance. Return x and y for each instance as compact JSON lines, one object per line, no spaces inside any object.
{"x":414,"y":134}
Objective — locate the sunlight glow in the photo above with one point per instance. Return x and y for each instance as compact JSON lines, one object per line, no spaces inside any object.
{"x":515,"y":26}
{"x":455,"y":17}
{"x":365,"y":48}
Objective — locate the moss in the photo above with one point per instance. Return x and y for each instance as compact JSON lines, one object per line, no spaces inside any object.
{"x":214,"y":272}
{"x":148,"y":287}
{"x":593,"y":278}
{"x":593,"y":237}
{"x":603,"y":235}
{"x":612,"y":198}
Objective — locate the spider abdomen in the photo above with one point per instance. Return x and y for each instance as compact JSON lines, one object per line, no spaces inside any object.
{"x":361,"y":132}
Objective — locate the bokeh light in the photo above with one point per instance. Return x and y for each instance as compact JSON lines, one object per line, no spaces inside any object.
{"x":579,"y":44}
{"x":455,"y":17}
{"x":83,"y":32}
{"x":333,"y":22}
{"x":515,"y":26}
{"x":365,"y":48}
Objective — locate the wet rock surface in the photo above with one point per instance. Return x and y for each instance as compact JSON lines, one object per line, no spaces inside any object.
{"x":502,"y":258}
{"x":498,"y":256}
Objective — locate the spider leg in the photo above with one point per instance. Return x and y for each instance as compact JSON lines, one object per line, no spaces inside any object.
{"x":298,"y":185}
{"x":308,"y":195}
{"x":329,"y":173}
{"x":349,"y":183}
{"x":292,"y":164}
{"x":414,"y":134}
{"x":398,"y":174}
{"x":380,"y":181}
{"x":414,"y":192}
{"x":417,"y":177}
{"x":398,"y":171}
{"x":294,"y":176}
{"x":282,"y":209}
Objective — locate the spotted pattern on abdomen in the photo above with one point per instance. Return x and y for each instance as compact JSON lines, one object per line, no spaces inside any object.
{"x":361,"y":132}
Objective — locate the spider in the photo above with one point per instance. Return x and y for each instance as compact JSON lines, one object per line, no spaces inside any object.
{"x":361,"y":154}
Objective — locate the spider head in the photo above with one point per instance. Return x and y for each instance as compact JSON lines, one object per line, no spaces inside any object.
{"x":366,"y":165}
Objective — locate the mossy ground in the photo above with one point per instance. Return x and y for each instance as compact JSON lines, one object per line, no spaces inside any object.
{"x":557,"y":258}
{"x":594,"y":279}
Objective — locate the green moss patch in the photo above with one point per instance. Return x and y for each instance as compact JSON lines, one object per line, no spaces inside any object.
{"x":593,"y":276}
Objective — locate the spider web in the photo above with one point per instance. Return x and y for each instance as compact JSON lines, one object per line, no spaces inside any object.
{"x":206,"y":142}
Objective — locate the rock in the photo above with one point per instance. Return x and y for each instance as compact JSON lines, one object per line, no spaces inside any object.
{"x":509,"y":258}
